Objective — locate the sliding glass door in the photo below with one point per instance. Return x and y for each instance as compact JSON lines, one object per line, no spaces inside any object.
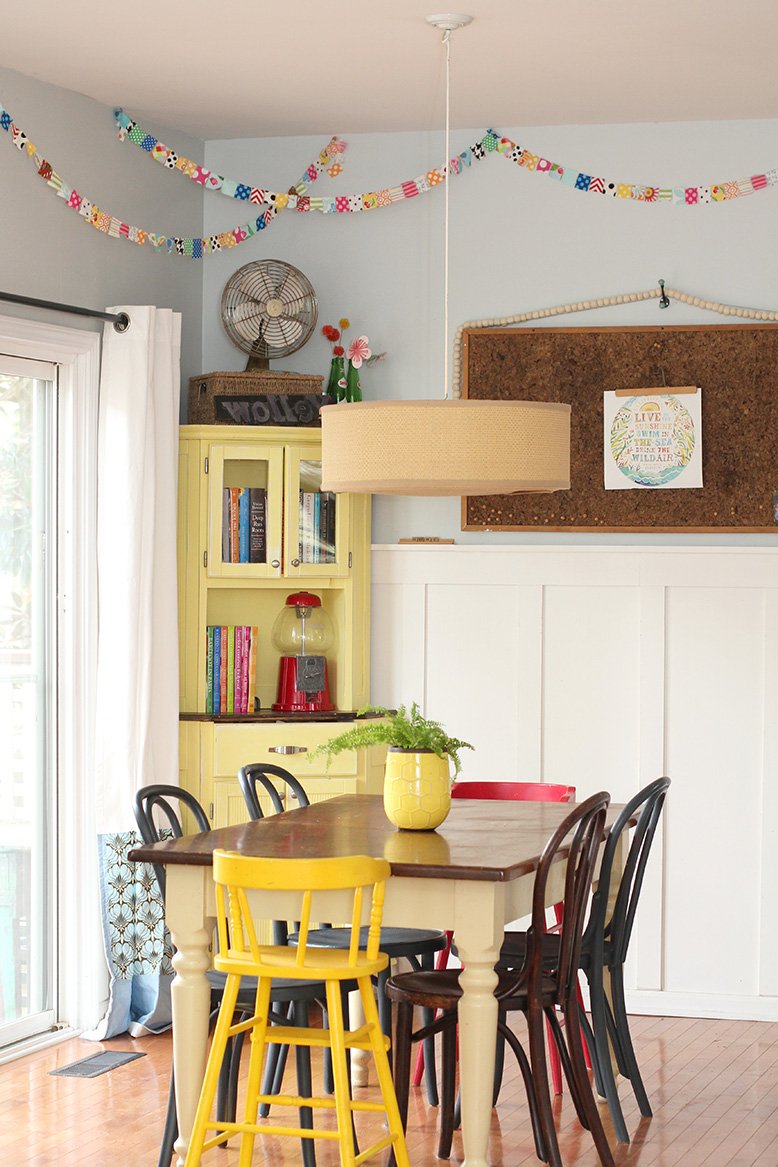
{"x":27,"y":697}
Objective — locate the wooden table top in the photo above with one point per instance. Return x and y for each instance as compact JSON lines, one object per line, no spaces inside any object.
{"x":494,"y":841}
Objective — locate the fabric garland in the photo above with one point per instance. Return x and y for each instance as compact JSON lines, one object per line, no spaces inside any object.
{"x":111,"y":225}
{"x":298,"y":199}
{"x":491,"y":141}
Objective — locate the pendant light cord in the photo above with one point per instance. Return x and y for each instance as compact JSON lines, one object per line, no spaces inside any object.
{"x":447,"y":44}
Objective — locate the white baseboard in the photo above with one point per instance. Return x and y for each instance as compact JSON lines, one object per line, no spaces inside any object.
{"x":31,"y":1045}
{"x":656,"y":1004}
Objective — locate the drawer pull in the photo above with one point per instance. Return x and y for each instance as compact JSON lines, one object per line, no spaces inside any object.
{"x":287,"y":750}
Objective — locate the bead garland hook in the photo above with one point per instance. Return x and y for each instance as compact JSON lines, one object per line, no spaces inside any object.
{"x":664,"y":299}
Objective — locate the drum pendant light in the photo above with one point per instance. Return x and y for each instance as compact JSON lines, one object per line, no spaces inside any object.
{"x":448,"y":446}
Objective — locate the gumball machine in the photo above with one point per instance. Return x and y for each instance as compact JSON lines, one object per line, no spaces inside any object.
{"x":303,"y":632}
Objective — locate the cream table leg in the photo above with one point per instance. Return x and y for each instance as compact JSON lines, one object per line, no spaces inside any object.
{"x":478,"y":932}
{"x":191,"y":933}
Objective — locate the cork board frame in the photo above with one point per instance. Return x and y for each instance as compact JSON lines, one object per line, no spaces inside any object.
{"x":735,"y":365}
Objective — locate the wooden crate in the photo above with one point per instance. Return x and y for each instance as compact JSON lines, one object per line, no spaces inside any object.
{"x":261,"y":397}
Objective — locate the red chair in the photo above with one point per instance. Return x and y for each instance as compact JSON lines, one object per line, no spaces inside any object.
{"x":518,"y":792}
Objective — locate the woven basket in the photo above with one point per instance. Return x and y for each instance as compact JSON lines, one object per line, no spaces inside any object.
{"x":248,"y":398}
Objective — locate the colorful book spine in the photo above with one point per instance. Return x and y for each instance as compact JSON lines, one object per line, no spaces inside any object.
{"x":209,"y":669}
{"x":243,"y":524}
{"x":231,"y":669}
{"x":234,"y":520}
{"x":226,"y":553}
{"x":253,"y":639}
{"x":245,"y":677}
{"x":238,"y":681}
{"x":257,"y":525}
{"x":224,"y":670}
{"x":216,"y":681}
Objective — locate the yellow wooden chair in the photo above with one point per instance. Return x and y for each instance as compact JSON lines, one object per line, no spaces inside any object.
{"x":240,"y":955}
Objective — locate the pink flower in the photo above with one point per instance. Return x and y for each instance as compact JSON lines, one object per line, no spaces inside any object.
{"x":358,"y":351}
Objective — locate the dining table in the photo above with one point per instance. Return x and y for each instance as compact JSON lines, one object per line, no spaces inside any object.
{"x":473,"y":875}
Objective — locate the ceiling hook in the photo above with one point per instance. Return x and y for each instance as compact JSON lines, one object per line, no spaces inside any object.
{"x":664,"y":299}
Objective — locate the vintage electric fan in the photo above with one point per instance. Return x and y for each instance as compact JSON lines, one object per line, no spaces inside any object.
{"x":303,"y":632}
{"x":269,"y":310}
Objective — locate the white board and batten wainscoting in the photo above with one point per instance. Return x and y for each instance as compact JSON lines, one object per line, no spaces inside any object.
{"x":605,"y":668}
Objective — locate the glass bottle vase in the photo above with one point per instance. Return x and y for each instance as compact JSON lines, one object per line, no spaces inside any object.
{"x":333,"y":389}
{"x":353,"y":388}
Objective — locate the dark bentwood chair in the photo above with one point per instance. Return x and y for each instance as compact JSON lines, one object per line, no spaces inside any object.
{"x":417,"y":945}
{"x":154,"y":803}
{"x":532,"y":990}
{"x":604,"y":947}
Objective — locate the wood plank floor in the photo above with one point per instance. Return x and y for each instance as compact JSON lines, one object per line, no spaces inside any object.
{"x":713,"y":1085}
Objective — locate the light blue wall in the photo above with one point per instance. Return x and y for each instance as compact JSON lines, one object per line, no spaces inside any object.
{"x":519,"y":241}
{"x":48,"y":252}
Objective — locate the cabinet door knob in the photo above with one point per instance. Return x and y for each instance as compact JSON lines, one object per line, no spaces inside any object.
{"x":295,"y":563}
{"x":287,"y":750}
{"x":275,"y":563}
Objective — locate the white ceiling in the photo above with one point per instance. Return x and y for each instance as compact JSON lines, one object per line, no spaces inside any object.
{"x":251,"y":68}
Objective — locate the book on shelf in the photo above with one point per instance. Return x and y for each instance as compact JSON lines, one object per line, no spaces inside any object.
{"x":217,"y":636}
{"x":243,"y":524}
{"x":252,"y":691}
{"x":226,"y":552}
{"x":238,"y":669}
{"x":257,"y":525}
{"x":231,"y":668}
{"x":209,"y":669}
{"x":234,"y":526}
{"x":306,"y":526}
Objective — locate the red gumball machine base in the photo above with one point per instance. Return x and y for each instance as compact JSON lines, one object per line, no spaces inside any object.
{"x":294,"y":699}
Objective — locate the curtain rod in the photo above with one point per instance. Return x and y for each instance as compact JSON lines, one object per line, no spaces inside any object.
{"x":121,"y":321}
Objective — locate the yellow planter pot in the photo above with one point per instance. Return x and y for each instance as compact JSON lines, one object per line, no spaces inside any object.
{"x":417,"y":789}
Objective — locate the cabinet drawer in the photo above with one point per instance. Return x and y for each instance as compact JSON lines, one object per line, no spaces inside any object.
{"x":238,"y":745}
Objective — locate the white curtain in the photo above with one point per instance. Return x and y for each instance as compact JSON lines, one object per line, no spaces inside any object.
{"x":137,"y":485}
{"x":136,"y":715}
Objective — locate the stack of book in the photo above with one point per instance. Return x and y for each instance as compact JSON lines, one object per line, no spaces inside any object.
{"x":317,"y":526}
{"x":231,"y":668}
{"x":244,"y":537}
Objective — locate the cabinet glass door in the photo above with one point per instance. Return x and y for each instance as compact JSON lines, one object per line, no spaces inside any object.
{"x":245,"y":507}
{"x":316,"y":520}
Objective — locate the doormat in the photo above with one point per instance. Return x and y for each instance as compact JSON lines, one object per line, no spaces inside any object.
{"x":96,"y":1064}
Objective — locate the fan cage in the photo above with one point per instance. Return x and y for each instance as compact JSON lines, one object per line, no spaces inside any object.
{"x":269,"y":309}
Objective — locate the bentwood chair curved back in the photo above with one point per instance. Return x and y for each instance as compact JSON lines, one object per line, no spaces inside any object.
{"x":522,"y":792}
{"x":605,"y":945}
{"x":158,"y":811}
{"x":417,"y":945}
{"x":240,"y":955}
{"x":535,"y":989}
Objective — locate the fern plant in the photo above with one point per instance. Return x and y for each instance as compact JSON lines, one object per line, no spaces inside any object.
{"x":403,"y":729}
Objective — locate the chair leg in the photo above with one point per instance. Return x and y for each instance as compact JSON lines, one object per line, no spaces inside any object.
{"x":340,"y":1074}
{"x":256,"y":1057}
{"x":554,"y":1029}
{"x":403,"y":1024}
{"x":575,"y":1048}
{"x":510,"y":1037}
{"x":603,"y":1065}
{"x":170,"y":1130}
{"x":448,"y":1074}
{"x":384,"y":1006}
{"x":210,"y":1082}
{"x":499,"y":1057}
{"x":276,"y":1057}
{"x":383,"y":1073}
{"x":537,"y":1057}
{"x":441,"y":962}
{"x":622,"y":1028}
{"x":299,"y":1015}
{"x":554,"y":1062}
{"x":427,"y":962}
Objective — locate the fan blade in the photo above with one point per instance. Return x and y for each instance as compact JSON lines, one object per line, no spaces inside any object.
{"x":291,"y":330}
{"x":259,"y":276}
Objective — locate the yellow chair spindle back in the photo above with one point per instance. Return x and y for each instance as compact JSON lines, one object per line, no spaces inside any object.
{"x":376,"y":913}
{"x":305,"y":923}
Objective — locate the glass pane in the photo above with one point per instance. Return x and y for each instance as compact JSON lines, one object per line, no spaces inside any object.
{"x":317,"y":517}
{"x":24,"y":636}
{"x":244,"y":511}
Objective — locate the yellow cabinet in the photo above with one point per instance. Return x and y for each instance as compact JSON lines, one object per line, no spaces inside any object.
{"x":303,"y":537}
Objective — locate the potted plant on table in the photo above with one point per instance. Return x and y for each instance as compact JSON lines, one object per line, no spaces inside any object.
{"x":417,"y":782}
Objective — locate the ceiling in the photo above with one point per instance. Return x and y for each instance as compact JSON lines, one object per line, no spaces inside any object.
{"x":240,"y":69}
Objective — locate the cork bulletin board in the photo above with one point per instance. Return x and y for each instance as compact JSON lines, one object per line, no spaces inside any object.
{"x":735,"y":365}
